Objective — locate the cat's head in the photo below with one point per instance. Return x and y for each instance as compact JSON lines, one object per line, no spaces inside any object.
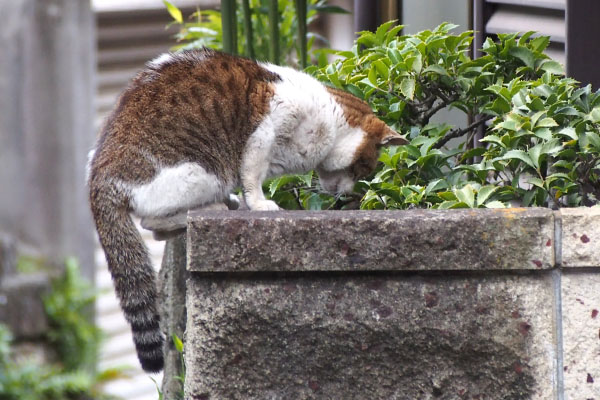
{"x":356,"y":155}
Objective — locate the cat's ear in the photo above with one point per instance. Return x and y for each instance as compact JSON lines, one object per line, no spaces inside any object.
{"x":392,"y":138}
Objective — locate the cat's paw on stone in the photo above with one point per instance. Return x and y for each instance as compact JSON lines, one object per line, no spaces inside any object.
{"x":265,"y":205}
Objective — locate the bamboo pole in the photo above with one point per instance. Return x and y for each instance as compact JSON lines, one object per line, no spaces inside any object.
{"x":248,"y":27}
{"x":274,"y":31}
{"x":301,"y":15}
{"x":229,"y":24}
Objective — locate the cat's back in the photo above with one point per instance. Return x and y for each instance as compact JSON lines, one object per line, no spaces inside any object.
{"x":196,"y":105}
{"x":177,"y":90}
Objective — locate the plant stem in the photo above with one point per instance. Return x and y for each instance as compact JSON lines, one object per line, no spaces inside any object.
{"x":274,"y":31}
{"x":455,"y":133}
{"x":229,"y":26}
{"x":248,"y":27}
{"x":301,"y":15}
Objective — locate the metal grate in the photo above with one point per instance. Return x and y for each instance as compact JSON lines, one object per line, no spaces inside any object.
{"x":506,"y":16}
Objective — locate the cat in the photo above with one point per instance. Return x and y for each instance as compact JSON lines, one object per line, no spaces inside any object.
{"x":189,"y":129}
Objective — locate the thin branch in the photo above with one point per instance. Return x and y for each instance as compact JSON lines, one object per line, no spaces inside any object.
{"x":455,"y":133}
{"x":434,"y":109}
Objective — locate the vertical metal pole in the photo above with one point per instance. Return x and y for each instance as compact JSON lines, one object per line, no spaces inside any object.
{"x":583,"y":32}
{"x":365,"y":15}
{"x":478,"y":22}
{"x":400,"y":12}
{"x":478,"y":26}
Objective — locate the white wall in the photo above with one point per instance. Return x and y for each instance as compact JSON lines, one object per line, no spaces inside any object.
{"x":419,"y":15}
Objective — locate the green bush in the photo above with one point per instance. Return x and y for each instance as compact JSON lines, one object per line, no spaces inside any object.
{"x":540,"y":144}
{"x":73,"y":337}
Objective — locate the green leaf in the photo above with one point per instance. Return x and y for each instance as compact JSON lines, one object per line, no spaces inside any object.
{"x":536,"y":182}
{"x":594,"y":139}
{"x":174,"y":11}
{"x":546,"y":123}
{"x":382,"y":69}
{"x":435,"y":185}
{"x":518,"y":155}
{"x":417,"y":64}
{"x":543,"y":133}
{"x":523,"y":54}
{"x":373,"y":75}
{"x":563,"y":164}
{"x":355,"y":90}
{"x":407,"y":87}
{"x":570,"y":132}
{"x":493,"y":139}
{"x":466,"y":195}
{"x":495,"y":204}
{"x":594,"y":115}
{"x":178,"y":344}
{"x":392,"y":33}
{"x":500,"y":106}
{"x":540,"y":43}
{"x":446,"y":205}
{"x":484,"y":193}
{"x":436,"y":68}
{"x":382,"y":31}
{"x":554,"y":67}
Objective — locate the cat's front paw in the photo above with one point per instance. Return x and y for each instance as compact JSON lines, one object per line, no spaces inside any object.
{"x":265,"y":205}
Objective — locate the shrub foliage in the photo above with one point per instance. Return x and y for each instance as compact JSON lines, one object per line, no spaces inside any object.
{"x":531,"y":140}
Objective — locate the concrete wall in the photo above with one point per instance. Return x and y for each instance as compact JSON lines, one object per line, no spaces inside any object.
{"x":464,"y":304}
{"x":46,"y":92}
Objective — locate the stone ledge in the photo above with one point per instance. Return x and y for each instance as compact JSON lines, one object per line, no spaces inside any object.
{"x":413,"y":240}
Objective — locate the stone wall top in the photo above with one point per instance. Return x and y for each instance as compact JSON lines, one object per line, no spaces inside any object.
{"x":415,"y":240}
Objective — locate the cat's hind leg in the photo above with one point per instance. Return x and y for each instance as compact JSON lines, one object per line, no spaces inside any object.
{"x":163,"y":202}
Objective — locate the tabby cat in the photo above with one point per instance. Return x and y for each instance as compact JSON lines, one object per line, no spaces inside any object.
{"x":195,"y":125}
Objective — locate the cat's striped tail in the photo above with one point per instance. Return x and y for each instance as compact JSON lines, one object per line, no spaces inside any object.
{"x":132,"y":273}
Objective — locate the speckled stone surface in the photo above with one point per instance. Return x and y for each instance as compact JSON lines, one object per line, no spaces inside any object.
{"x":370,"y":336}
{"x":172,"y":280}
{"x":371,"y":241}
{"x":581,"y":237}
{"x":581,"y":332}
